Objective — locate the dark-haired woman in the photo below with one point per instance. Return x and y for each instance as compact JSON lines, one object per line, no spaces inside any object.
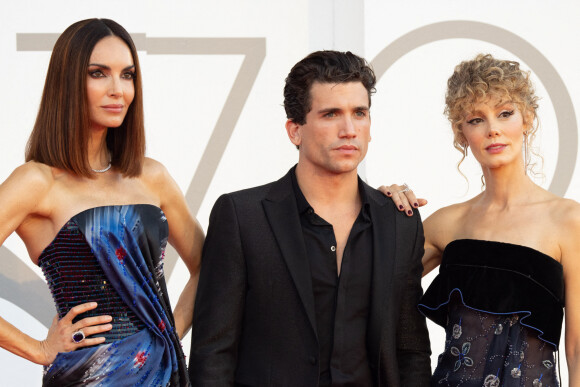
{"x":95,"y":214}
{"x":509,"y":257}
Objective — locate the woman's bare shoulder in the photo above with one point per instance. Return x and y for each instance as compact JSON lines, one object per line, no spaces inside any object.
{"x":566,"y":212}
{"x":450,"y":213}
{"x":31,"y":176}
{"x":24,"y":194}
{"x":158,"y":179}
{"x":154,"y":171}
{"x":443,"y":225}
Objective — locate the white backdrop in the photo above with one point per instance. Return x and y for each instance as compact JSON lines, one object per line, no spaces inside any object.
{"x":187,"y":96}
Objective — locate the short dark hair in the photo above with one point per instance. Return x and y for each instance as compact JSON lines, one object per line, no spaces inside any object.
{"x":61,"y":132}
{"x":324,"y":67}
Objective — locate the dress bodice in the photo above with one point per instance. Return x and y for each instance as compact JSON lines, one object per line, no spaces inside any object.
{"x":500,"y":278}
{"x":501,"y":305}
{"x":75,"y":277}
{"x":114,"y":255}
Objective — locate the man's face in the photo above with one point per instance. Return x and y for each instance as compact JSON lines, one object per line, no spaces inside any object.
{"x":335,"y":137}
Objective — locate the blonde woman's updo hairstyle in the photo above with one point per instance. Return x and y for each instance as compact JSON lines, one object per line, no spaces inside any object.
{"x":485,"y":77}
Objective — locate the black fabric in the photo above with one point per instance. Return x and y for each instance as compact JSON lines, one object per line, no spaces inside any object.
{"x":341,"y":301}
{"x":153,"y":257}
{"x":500,"y":277}
{"x":254,"y":319}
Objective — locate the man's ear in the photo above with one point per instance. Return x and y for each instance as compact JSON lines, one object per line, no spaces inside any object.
{"x":294,"y":132}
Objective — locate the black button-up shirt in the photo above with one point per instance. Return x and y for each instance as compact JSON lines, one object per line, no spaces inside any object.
{"x":342,"y":301}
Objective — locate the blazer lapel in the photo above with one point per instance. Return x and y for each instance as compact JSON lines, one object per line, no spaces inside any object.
{"x":282,"y":214}
{"x":384,"y":250}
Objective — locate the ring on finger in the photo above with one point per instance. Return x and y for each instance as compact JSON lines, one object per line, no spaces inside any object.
{"x":405,"y":188}
{"x":78,"y":336}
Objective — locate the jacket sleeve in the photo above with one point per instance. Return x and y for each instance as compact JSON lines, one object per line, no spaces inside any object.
{"x":413,"y":347}
{"x":219,"y":304}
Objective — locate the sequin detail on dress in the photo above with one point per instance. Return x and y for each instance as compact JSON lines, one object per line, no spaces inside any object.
{"x":75,"y":277}
{"x":122,"y":246}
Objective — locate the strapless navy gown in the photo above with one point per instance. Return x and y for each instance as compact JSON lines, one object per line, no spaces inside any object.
{"x":502,"y":308}
{"x":114,"y":255}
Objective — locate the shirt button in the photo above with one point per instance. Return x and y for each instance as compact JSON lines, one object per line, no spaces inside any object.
{"x":333,"y":248}
{"x":312,"y":360}
{"x":310,"y":211}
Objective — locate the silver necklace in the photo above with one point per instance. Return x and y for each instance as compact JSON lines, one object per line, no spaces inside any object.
{"x":102,"y":170}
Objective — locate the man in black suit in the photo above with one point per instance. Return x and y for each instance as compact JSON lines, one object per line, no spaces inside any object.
{"x":313,"y":280}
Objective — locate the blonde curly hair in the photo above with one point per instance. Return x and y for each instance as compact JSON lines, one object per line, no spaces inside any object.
{"x":485,"y":77}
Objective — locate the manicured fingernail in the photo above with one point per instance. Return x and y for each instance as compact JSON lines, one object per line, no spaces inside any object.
{"x":410,"y":212}
{"x":389,"y":193}
{"x":416,"y":205}
{"x":400,"y":206}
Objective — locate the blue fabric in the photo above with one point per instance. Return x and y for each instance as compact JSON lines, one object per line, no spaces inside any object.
{"x":75,"y":277}
{"x":128,"y":242}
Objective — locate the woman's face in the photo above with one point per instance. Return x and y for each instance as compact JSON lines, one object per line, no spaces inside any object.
{"x":110,"y":87}
{"x":494,"y":132}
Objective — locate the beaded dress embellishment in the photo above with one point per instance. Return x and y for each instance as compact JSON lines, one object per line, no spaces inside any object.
{"x":113,"y":255}
{"x":75,"y":277}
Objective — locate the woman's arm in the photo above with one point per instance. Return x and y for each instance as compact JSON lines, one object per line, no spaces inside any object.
{"x":431,"y":258}
{"x":22,"y":195}
{"x":18,"y":202}
{"x":433,"y":226}
{"x":186,"y":236}
{"x":570,"y":247}
{"x":59,"y":338}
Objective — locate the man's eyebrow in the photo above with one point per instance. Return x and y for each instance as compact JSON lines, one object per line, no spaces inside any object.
{"x":334,"y":110}
{"x":328,"y":110}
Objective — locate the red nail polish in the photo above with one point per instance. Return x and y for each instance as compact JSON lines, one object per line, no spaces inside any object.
{"x":410,"y":212}
{"x":416,"y":205}
{"x":400,"y":206}
{"x":389,"y":193}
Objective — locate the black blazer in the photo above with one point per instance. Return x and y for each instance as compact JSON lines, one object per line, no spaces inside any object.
{"x":254,"y":320}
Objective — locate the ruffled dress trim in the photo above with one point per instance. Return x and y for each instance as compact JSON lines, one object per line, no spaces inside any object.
{"x":500,"y":278}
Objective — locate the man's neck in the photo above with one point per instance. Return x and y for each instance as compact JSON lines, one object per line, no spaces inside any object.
{"x":328,"y":189}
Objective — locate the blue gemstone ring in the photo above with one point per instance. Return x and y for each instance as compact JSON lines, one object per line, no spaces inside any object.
{"x":78,"y":336}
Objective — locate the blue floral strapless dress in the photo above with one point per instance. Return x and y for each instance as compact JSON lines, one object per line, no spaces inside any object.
{"x":114,"y":255}
{"x":502,"y":308}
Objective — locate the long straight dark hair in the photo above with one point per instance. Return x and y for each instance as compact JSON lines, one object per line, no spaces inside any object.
{"x":61,"y":132}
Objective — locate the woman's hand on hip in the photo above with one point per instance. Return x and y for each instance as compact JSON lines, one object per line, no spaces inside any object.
{"x":64,"y":336}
